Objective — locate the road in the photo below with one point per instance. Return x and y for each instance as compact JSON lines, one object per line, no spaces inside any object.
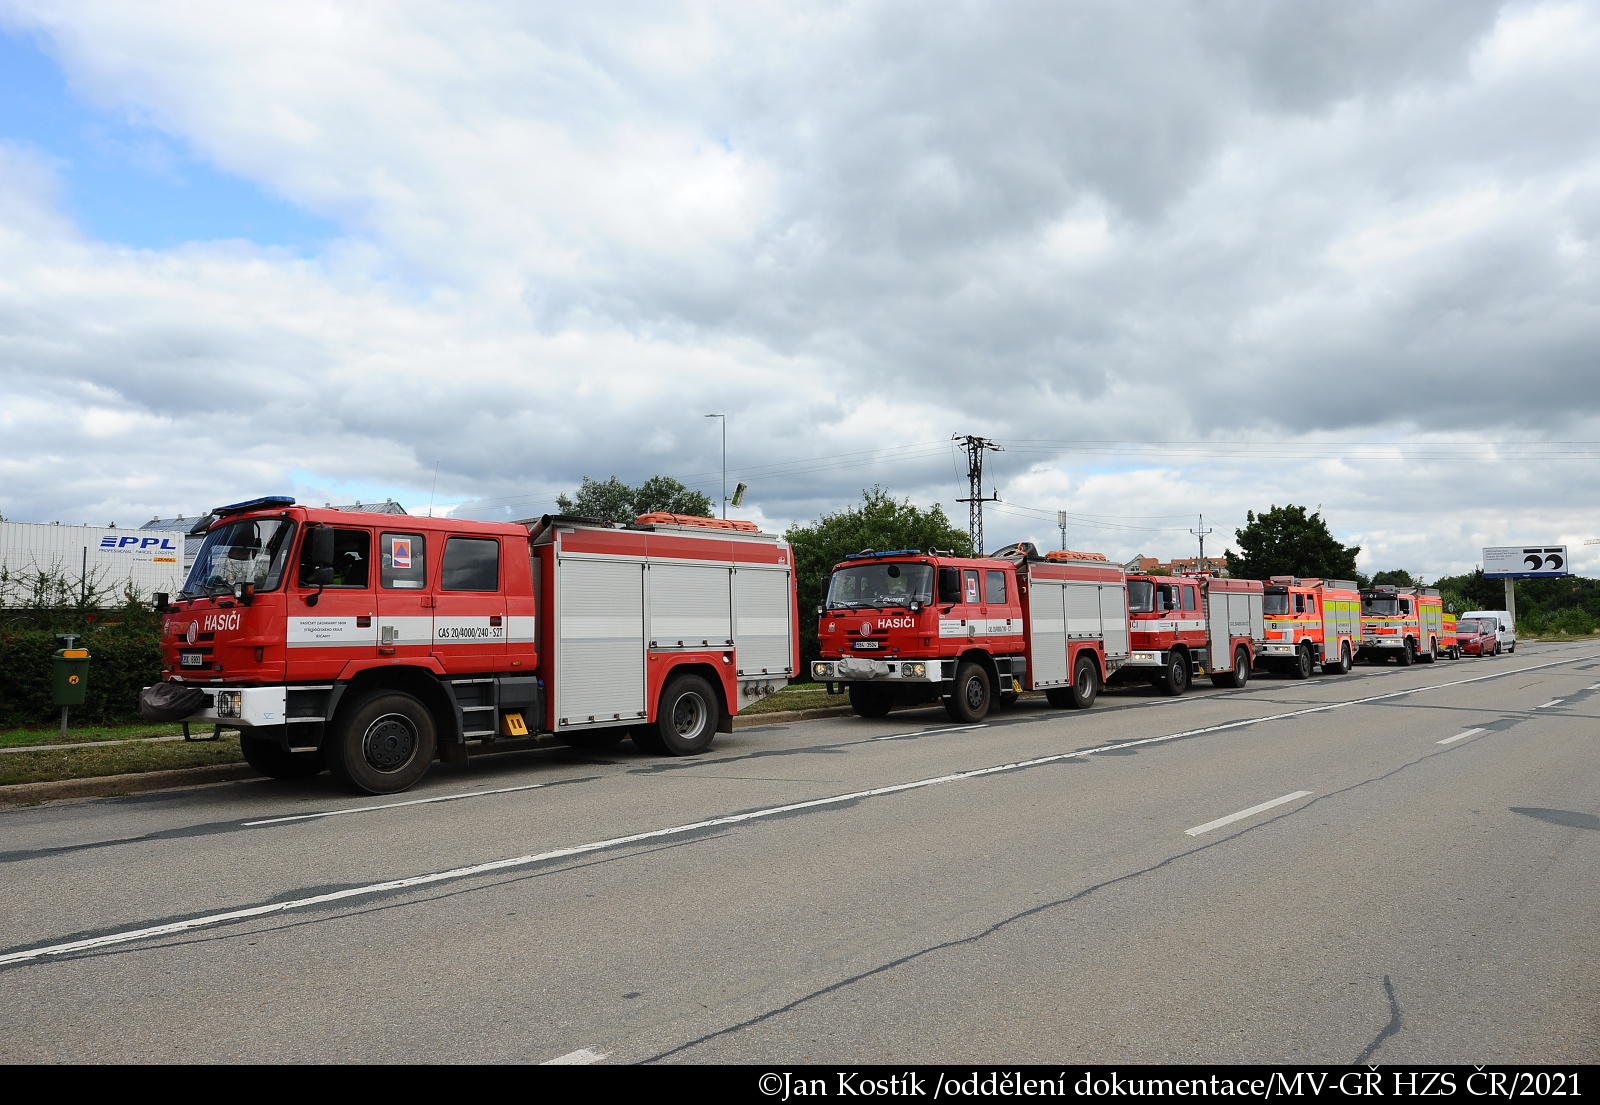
{"x":1392,"y":866}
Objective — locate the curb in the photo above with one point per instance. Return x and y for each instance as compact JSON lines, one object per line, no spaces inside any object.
{"x":22,"y":794}
{"x":770,"y":717}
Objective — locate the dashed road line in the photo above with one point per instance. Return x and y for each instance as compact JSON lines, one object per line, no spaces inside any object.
{"x":1242,"y":814}
{"x":1462,"y":736}
{"x":580,"y":1058}
{"x":1552,"y":702}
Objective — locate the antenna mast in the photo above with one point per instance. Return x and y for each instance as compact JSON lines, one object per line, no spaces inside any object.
{"x":976,"y":447}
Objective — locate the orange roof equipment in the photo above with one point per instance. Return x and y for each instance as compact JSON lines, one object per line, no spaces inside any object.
{"x":661,"y":517}
{"x":1068,"y":554}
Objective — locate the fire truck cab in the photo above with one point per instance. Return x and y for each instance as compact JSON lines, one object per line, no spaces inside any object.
{"x":369,"y":644}
{"x":1185,"y":626}
{"x":1310,"y":622}
{"x":1406,"y":623}
{"x":908,"y":627}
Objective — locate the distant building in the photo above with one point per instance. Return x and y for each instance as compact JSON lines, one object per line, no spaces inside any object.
{"x":388,"y":506}
{"x":1216,"y":565}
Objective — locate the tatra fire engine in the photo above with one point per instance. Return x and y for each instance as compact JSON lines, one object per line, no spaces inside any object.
{"x":369,"y":644}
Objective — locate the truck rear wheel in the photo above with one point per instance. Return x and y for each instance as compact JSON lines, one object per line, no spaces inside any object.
{"x":1085,"y":686}
{"x":871,"y":699}
{"x":1431,"y":654}
{"x":1174,"y":680}
{"x":1340,"y":666}
{"x":269,"y":758}
{"x":382,"y":745}
{"x":1302,"y":662}
{"x":687,"y":719}
{"x":1239,"y":676}
{"x":969,"y":698}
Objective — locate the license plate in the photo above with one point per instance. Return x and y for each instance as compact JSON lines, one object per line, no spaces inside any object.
{"x":866,"y":644}
{"x":191,"y":659}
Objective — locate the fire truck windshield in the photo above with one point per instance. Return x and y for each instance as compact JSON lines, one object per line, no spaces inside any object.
{"x":246,"y":551}
{"x":880,"y":585}
{"x":1380,"y":606}
{"x":1275,"y":604}
{"x":1141,"y":596}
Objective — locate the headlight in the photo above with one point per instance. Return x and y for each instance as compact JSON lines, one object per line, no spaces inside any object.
{"x":819,"y":670}
{"x":1144,"y":656}
{"x":918,"y":670}
{"x":228,"y":703}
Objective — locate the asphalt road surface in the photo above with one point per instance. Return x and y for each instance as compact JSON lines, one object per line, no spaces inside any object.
{"x":1396,"y":865}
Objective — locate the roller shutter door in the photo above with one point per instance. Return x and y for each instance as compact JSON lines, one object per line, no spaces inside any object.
{"x":600,"y":662}
{"x":761,"y":614}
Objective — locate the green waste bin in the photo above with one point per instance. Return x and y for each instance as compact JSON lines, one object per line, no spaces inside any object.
{"x":69,"y":676}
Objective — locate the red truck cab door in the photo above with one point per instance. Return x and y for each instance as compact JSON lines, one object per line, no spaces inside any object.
{"x":405,"y":601}
{"x":469,"y":613}
{"x":332,"y":625}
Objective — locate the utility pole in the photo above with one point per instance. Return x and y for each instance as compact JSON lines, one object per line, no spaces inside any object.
{"x":1061,"y":520}
{"x":976,"y":447}
{"x":1200,"y":531}
{"x":724,"y":461}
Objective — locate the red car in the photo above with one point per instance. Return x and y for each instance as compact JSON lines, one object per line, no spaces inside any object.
{"x":1476,"y":638}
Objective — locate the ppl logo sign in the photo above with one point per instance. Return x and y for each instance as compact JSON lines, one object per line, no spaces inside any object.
{"x":138,"y":544}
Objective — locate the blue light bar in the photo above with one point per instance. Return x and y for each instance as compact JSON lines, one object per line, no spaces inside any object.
{"x":266,"y":502}
{"x":870,"y":554}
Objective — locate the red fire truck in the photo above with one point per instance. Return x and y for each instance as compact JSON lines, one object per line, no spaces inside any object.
{"x":1406,"y":623}
{"x":371,"y":643}
{"x":1189,"y":625}
{"x":907,"y":627}
{"x":1309,"y":622}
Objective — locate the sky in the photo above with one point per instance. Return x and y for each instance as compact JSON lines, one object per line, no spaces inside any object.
{"x":1177,"y":259}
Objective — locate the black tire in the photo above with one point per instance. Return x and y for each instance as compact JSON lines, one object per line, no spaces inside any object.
{"x":269,"y":758}
{"x":1346,"y":661}
{"x":1175,"y":679}
{"x":971,"y":696}
{"x":871,"y":699}
{"x":1408,"y":654}
{"x":1511,"y":649}
{"x":1239,"y":676}
{"x":1085,"y":686}
{"x":1496,"y":650}
{"x":1303,"y":665}
{"x":686,"y":720}
{"x":1432,"y":654}
{"x":382,"y":744}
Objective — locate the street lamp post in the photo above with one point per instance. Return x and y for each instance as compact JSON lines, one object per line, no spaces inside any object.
{"x":724,"y":461}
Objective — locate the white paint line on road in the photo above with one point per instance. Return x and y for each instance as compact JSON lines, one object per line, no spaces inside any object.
{"x":1552,"y":702}
{"x":394,"y":805}
{"x":455,"y":873}
{"x":1242,"y":814}
{"x":1593,"y":687}
{"x":927,"y":732}
{"x":1461,"y":736}
{"x":580,"y":1058}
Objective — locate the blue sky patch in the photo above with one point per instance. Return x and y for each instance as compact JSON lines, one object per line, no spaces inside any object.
{"x":131,"y":184}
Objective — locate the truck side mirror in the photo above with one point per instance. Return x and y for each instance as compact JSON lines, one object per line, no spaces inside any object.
{"x":322,"y":550}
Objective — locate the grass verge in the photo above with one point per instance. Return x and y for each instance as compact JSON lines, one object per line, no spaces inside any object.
{"x":796,"y":696}
{"x":116,"y":759}
{"x":80,"y":734}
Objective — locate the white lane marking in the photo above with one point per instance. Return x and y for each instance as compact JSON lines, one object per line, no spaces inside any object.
{"x":580,"y":1058}
{"x":1593,"y":687}
{"x":925,"y":732}
{"x":1242,"y":814}
{"x":1461,"y":736}
{"x":1552,"y":702}
{"x":394,"y":805}
{"x":454,"y":873}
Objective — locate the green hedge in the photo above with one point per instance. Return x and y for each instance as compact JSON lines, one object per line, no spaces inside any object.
{"x":123,"y":657}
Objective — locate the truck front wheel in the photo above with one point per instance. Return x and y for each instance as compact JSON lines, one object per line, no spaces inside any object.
{"x":968,"y":701}
{"x":871,"y":699}
{"x":1302,"y":663}
{"x":1174,"y":679}
{"x":1408,"y":654}
{"x":382,"y":745}
{"x":269,"y":758}
{"x":687,"y":719}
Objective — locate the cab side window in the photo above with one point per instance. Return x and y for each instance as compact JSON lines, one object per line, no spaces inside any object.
{"x":1405,"y":606}
{"x":402,"y":561}
{"x":352,"y":558}
{"x":471,"y":564}
{"x":994,"y":588}
{"x":969,"y":580}
{"x":1188,"y":598}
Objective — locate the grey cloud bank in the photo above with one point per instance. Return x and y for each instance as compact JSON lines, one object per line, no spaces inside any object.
{"x":569,"y":234}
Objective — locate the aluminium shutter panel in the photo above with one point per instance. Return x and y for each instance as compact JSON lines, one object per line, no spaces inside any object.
{"x":1114,"y":620}
{"x":600,"y":660}
{"x":1218,"y":605}
{"x":1047,"y":625}
{"x":689,"y":603}
{"x":1083,"y":610}
{"x":761,"y":614}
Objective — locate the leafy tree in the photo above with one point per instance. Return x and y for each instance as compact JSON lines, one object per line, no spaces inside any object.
{"x":1396,"y":577}
{"x":613,"y":499}
{"x":1284,"y":541}
{"x":878,"y":522}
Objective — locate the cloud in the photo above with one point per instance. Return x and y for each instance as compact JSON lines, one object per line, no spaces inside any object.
{"x":568,"y":233}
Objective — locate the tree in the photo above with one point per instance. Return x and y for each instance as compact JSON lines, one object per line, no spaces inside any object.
{"x":1284,"y":541}
{"x":1396,"y":577}
{"x":613,"y":499}
{"x":878,"y":522}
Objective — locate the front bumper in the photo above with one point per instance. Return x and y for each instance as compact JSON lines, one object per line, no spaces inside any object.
{"x":242,"y":707}
{"x":1393,"y":644}
{"x":1147,"y":658}
{"x":857,"y":668}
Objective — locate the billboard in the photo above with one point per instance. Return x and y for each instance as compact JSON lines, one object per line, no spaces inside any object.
{"x":1526,"y":562}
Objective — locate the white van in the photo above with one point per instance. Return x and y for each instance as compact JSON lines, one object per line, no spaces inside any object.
{"x":1504,"y":631}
